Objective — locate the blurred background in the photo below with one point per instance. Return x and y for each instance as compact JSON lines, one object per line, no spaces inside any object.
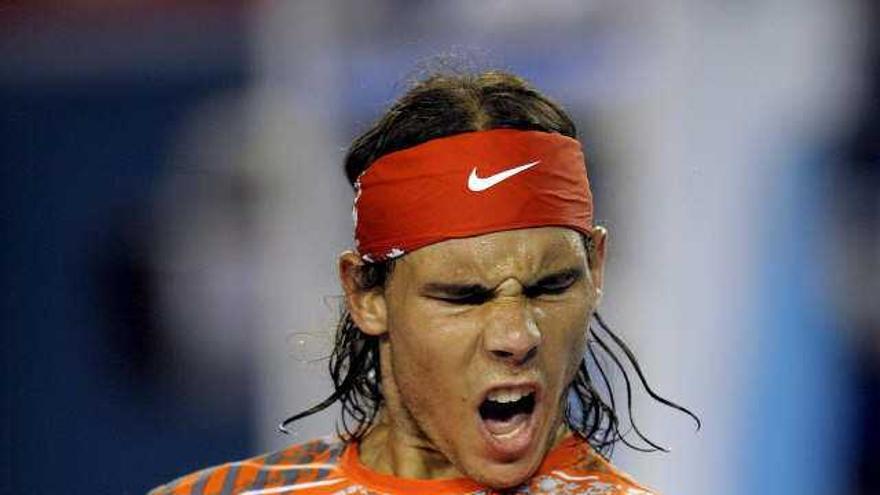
{"x":173,"y":203}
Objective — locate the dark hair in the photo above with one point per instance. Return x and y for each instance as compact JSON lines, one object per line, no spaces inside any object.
{"x":443,"y":105}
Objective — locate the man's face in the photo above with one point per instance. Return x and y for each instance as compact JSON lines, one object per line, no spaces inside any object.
{"x":484,"y":336}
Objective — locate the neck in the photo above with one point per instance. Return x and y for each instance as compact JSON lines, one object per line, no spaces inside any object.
{"x":390,"y":449}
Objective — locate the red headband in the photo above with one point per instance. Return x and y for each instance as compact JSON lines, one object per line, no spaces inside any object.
{"x":470,"y":184}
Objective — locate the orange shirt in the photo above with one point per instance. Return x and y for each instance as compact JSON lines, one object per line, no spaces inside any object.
{"x":331,"y":467}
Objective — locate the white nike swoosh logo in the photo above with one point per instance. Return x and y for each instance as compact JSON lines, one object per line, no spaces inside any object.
{"x":478,"y":184}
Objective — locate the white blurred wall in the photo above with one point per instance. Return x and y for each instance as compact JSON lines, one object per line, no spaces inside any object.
{"x":735,"y":93}
{"x":297,"y":148}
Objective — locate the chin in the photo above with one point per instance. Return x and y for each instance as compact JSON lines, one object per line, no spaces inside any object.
{"x":508,"y":472}
{"x":502,"y":476}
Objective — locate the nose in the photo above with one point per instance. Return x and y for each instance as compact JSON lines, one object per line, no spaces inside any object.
{"x":512,"y":335}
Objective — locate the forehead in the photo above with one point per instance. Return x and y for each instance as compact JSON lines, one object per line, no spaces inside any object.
{"x":521,"y":252}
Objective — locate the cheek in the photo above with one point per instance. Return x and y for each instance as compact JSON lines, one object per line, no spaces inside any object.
{"x":429,"y":358}
{"x":564,"y":327}
{"x":565,"y":319}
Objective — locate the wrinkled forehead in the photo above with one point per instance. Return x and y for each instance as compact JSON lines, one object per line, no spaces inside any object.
{"x":520,"y":253}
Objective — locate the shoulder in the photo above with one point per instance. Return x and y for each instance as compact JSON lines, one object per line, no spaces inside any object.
{"x":311,"y":462}
{"x":577,"y":468}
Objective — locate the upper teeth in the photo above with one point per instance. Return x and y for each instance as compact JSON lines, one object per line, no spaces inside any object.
{"x":507,"y":395}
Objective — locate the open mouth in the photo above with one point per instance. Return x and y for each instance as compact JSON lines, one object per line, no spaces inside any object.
{"x":505,"y":411}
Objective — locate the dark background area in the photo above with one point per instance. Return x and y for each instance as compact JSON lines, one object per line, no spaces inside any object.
{"x":90,"y":402}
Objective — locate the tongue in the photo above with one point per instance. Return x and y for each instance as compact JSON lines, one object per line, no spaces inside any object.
{"x":503,"y":427}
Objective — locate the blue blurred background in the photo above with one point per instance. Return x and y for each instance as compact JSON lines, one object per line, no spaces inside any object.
{"x":173,"y":202}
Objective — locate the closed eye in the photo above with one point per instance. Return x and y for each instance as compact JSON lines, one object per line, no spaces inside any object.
{"x":471,"y":300}
{"x":470,"y":294}
{"x":556,"y":283}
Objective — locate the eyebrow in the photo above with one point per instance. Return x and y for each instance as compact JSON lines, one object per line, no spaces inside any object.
{"x":463,"y":290}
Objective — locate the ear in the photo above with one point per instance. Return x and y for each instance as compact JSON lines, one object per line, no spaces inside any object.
{"x":597,"y":257}
{"x":366,"y":306}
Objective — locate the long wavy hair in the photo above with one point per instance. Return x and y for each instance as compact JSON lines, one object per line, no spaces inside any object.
{"x":441,"y":105}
